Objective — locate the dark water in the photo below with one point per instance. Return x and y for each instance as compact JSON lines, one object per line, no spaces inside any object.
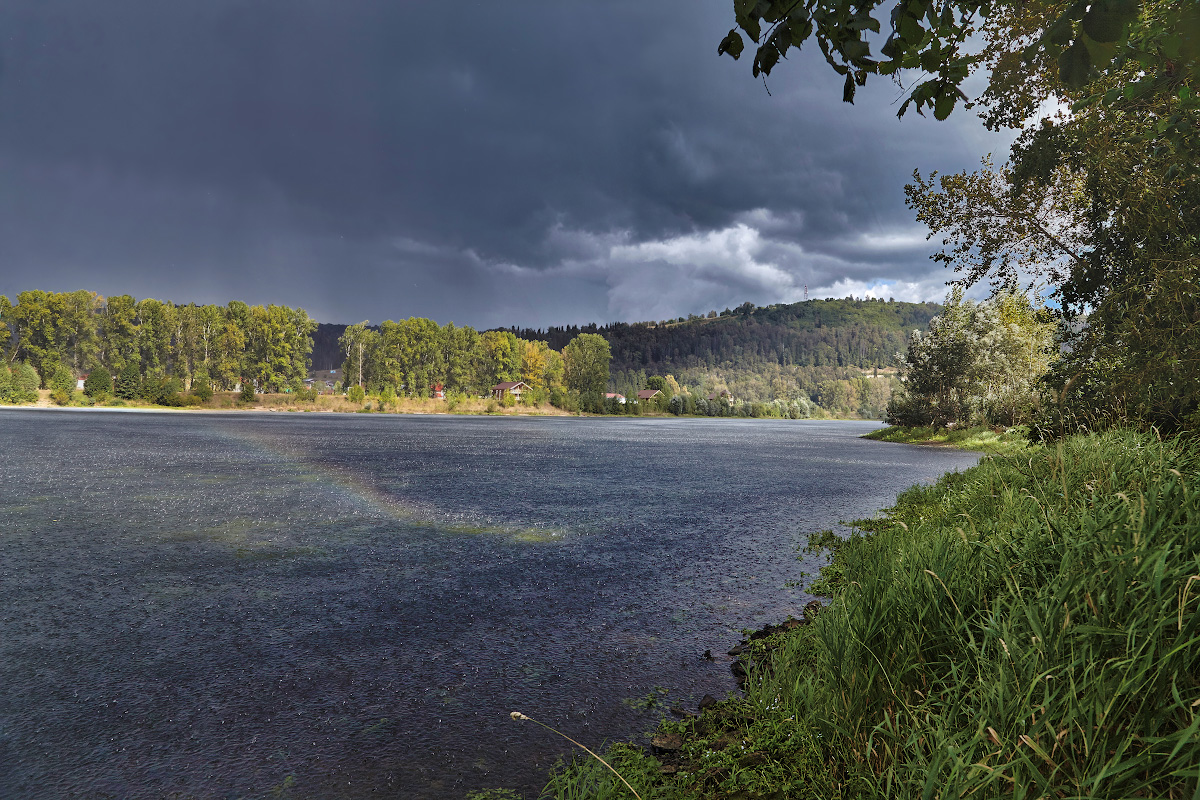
{"x":302,"y":605}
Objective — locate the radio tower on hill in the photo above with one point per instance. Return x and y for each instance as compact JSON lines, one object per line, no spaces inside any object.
{"x":806,"y":292}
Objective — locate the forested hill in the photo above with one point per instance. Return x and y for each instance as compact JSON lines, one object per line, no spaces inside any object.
{"x":815,"y":333}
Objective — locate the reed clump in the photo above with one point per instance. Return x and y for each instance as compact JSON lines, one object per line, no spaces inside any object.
{"x":1027,"y":628}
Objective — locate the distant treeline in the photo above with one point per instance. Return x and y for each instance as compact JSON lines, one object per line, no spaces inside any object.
{"x":268,"y":346}
{"x":826,"y":352}
{"x":815,"y":351}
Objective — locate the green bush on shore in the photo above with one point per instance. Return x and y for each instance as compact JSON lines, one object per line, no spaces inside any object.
{"x":1028,"y":627}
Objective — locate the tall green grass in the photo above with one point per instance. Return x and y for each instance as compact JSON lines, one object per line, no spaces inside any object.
{"x":1027,"y":628}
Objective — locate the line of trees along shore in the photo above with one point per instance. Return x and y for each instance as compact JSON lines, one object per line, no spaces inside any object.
{"x":416,"y":356}
{"x":78,"y":332}
{"x":49,"y":339}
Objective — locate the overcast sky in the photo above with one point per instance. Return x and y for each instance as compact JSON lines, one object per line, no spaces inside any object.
{"x":492,"y":163}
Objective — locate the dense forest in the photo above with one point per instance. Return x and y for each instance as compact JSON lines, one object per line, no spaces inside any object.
{"x":828,"y":352}
{"x":817,"y":333}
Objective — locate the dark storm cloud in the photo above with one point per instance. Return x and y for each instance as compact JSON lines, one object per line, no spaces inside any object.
{"x":515,"y":162}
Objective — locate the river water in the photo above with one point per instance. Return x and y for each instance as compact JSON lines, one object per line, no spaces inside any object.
{"x":345,"y":606}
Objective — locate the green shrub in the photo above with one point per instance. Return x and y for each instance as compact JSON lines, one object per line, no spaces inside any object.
{"x":25,"y":382}
{"x":61,"y":385}
{"x":202,"y":386}
{"x":161,"y":390}
{"x":7,"y":385}
{"x":567,"y":401}
{"x":247,"y":393}
{"x":592,"y":403}
{"x":129,"y":382}
{"x":356,"y":394}
{"x":98,"y":384}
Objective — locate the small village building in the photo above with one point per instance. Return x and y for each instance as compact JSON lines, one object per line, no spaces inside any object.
{"x":722,"y":395}
{"x":515,"y":388}
{"x":79,"y":382}
{"x":439,"y":391}
{"x":620,"y":398}
{"x":648,"y":394}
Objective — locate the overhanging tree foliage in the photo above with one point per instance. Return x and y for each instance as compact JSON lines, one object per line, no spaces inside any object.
{"x":1100,"y":200}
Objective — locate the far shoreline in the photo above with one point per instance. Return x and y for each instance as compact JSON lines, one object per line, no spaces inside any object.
{"x":228,"y":402}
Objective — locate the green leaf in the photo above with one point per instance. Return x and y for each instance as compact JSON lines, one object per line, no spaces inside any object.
{"x":801,"y":29}
{"x":1138,"y":88}
{"x":890,"y":49}
{"x":910,"y":29}
{"x":1061,"y":31}
{"x":944,"y":105}
{"x":1075,"y":65}
{"x":765,"y":59}
{"x":855,"y":49}
{"x":1101,"y":53}
{"x":732,"y":44}
{"x":782,"y":38}
{"x":751,"y":26}
{"x":1171,"y":45}
{"x":863,"y":22}
{"x":1104,"y":26}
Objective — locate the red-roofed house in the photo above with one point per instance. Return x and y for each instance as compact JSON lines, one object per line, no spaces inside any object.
{"x":722,"y":395}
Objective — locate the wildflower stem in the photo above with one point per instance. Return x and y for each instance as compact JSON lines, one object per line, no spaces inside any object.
{"x":517,"y":715}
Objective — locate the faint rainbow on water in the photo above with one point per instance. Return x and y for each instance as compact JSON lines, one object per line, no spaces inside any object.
{"x":381,"y":503}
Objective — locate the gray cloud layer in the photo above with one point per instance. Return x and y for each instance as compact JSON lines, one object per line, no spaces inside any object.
{"x":524,"y":162}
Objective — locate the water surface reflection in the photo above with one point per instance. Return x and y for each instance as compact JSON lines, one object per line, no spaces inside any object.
{"x":236,"y":605}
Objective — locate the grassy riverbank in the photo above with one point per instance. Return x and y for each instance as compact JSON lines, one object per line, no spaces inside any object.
{"x":1027,"y":628}
{"x":982,"y":438}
